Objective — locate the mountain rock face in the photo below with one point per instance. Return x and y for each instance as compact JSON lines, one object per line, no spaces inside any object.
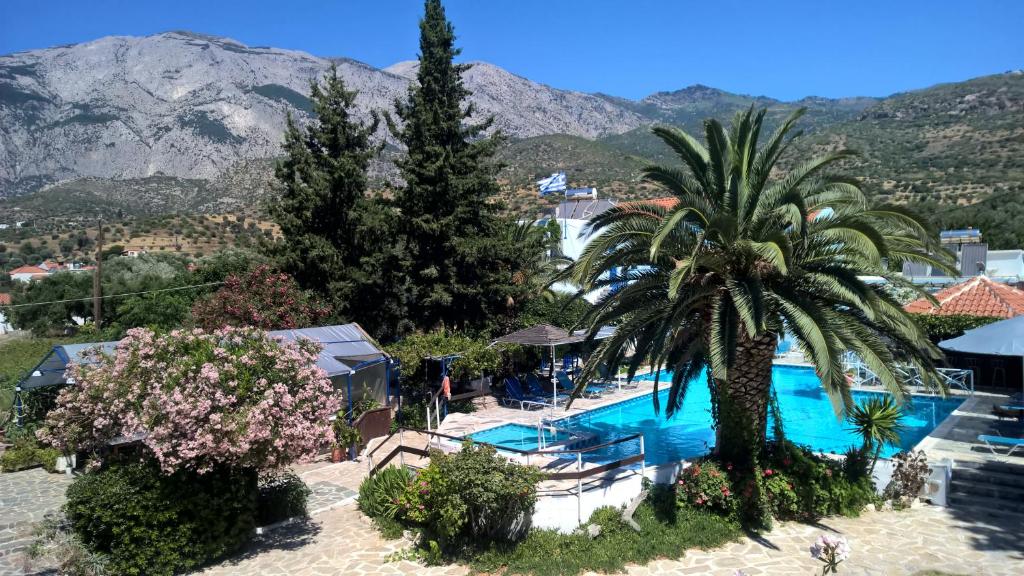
{"x":188,"y":105}
{"x":186,"y":122}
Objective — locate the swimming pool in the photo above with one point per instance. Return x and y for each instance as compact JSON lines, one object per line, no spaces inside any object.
{"x":807,"y":416}
{"x":520,"y":437}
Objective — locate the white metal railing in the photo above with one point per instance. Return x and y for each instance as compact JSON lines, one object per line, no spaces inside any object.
{"x":578,"y":473}
{"x":910,"y":377}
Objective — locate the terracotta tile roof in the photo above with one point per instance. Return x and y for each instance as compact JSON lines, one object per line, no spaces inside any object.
{"x":5,"y":299}
{"x":979,"y":296}
{"x":28,"y":270}
{"x":667,"y":202}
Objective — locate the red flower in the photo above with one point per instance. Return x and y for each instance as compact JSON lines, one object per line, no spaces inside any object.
{"x":768,"y":472}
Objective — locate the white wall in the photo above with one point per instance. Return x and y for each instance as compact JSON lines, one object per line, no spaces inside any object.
{"x":1005,"y":263}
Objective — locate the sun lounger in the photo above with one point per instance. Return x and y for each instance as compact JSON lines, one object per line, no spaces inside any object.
{"x":610,"y":380}
{"x":591,"y":391}
{"x":992,"y":441}
{"x":537,"y":390}
{"x":1015,"y":412}
{"x":514,"y":395}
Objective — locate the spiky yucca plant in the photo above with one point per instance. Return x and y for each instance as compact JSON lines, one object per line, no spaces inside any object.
{"x":747,"y":254}
{"x":877,"y":422}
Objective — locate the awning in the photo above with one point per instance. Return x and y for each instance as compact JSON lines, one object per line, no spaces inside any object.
{"x":346,"y":347}
{"x":50,"y":371}
{"x":1003,"y":338}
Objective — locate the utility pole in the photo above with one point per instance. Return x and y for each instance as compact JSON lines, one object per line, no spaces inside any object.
{"x":97,"y":289}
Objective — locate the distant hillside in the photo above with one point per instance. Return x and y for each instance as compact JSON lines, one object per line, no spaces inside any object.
{"x":191,"y":106}
{"x":189,"y":123}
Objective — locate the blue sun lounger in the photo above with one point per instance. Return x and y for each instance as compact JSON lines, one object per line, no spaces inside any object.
{"x":993,"y":441}
{"x":538,"y":391}
{"x":514,"y":394}
{"x":591,"y":391}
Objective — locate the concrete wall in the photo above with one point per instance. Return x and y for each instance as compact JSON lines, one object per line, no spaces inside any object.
{"x":566,"y":512}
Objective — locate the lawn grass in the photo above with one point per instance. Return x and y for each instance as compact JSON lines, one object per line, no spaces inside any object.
{"x":665,"y":532}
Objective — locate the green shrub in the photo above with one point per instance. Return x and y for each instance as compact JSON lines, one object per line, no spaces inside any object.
{"x":705,"y":486}
{"x":792,"y":484}
{"x":47,"y":458}
{"x":18,"y":458}
{"x":380,"y":495}
{"x":149,"y":523}
{"x":666,"y":531}
{"x":472,"y":497}
{"x":26,"y":453}
{"x":823,"y":486}
{"x":281,"y":496}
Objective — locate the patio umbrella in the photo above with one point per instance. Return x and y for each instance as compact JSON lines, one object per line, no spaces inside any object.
{"x":1003,"y":338}
{"x":544,"y":335}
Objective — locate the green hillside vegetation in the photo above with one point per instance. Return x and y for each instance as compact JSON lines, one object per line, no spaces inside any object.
{"x":949,"y":145}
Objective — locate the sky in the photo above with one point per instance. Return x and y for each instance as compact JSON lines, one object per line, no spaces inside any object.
{"x":785,"y":49}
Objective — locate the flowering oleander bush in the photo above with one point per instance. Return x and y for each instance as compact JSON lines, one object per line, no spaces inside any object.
{"x":831,"y":551}
{"x":262,"y":298}
{"x":704,"y":485}
{"x":234,"y":397}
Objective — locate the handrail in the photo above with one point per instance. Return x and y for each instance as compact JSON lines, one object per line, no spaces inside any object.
{"x":961,"y":378}
{"x":517,"y":450}
{"x":578,"y":475}
{"x":553,"y":476}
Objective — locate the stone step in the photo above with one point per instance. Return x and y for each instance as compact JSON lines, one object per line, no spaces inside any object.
{"x":980,"y":476}
{"x":1011,"y":493}
{"x":996,"y":506}
{"x":990,"y":466}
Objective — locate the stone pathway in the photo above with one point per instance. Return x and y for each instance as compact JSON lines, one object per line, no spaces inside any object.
{"x":342,"y":541}
{"x":25,"y":497}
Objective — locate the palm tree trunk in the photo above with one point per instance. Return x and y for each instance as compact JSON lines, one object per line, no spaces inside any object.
{"x":743,"y":402}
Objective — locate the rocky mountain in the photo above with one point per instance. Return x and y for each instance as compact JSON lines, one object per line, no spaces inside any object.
{"x":188,"y":105}
{"x":186,"y":122}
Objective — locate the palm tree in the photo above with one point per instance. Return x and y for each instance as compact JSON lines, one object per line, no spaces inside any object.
{"x":747,"y":254}
{"x":877,"y":421}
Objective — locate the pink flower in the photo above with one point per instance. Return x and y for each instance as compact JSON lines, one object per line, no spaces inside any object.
{"x":768,"y":472}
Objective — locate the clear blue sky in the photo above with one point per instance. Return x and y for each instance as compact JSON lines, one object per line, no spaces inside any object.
{"x":785,"y":49}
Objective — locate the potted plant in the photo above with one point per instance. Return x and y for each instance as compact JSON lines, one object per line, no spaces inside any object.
{"x":345,"y":437}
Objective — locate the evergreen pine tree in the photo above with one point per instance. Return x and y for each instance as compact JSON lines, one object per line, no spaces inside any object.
{"x":450,"y":226}
{"x":322,"y":204}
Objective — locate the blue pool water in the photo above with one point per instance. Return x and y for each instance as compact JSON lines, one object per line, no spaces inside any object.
{"x":807,"y":415}
{"x":519,"y":437}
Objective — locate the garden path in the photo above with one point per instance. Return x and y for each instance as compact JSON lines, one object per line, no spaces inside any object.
{"x":342,"y":541}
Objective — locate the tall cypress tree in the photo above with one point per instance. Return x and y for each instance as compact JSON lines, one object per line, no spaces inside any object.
{"x":324,"y":181}
{"x":447,"y":220}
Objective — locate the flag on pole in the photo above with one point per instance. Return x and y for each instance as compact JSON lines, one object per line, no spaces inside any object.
{"x":554,"y":183}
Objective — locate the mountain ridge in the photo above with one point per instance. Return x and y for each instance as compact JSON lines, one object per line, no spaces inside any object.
{"x":210,"y":111}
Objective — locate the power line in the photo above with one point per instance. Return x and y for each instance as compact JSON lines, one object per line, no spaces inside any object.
{"x":114,"y":295}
